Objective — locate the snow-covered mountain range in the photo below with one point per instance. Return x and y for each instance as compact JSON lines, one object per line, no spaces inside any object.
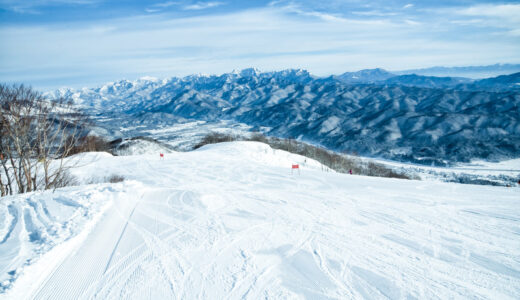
{"x":467,"y":71}
{"x":407,"y":117}
{"x":381,"y":77}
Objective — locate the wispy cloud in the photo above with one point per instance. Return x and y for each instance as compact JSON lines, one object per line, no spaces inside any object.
{"x":167,"y":4}
{"x":514,"y":32}
{"x":374,"y":13}
{"x":298,"y":10}
{"x":412,"y":22}
{"x":152,"y":10}
{"x":505,"y":12}
{"x":40,"y":3}
{"x":202,"y":5}
{"x":33,"y":6}
{"x":158,"y":7}
{"x":22,"y":9}
{"x":178,"y":42}
{"x":503,"y":16}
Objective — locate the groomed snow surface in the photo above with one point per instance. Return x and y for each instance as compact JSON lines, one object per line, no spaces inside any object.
{"x":231,"y":221}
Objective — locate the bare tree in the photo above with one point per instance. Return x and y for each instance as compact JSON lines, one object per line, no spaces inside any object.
{"x":5,"y":180}
{"x":37,"y":135}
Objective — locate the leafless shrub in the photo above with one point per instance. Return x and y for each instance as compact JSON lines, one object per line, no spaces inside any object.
{"x":90,"y":144}
{"x":258,"y":137}
{"x":379,"y":170}
{"x":36,"y":135}
{"x":216,"y":137}
{"x":65,"y":179}
{"x":115,"y":178}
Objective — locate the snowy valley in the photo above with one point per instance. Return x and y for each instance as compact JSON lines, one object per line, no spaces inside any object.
{"x":407,"y":118}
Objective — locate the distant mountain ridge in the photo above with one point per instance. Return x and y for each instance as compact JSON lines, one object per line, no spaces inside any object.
{"x":475,"y":72}
{"x":365,"y":76}
{"x":428,"y":81}
{"x":390,"y":120}
{"x":383,"y":77}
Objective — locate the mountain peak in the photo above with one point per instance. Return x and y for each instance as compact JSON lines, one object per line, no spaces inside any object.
{"x":250,"y":72}
{"x":365,"y":76}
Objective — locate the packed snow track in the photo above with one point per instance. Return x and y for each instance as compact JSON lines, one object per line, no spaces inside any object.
{"x":230,"y":221}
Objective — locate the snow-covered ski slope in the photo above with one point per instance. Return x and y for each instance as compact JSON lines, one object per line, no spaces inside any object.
{"x":230,"y":221}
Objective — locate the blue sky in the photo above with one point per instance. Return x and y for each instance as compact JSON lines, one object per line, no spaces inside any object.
{"x":53,"y":43}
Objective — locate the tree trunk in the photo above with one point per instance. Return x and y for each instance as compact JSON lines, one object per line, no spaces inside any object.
{"x":8,"y":176}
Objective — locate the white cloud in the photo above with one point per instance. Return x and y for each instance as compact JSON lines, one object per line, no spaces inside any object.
{"x":514,"y":32}
{"x":24,"y":9}
{"x":296,"y":9}
{"x":31,"y":6}
{"x":509,"y":11}
{"x":202,"y":5}
{"x":409,"y":5}
{"x":158,"y":7}
{"x":499,"y":15}
{"x":167,"y":4}
{"x":269,"y":38}
{"x":374,"y":13}
{"x":152,"y":10}
{"x":412,"y":22}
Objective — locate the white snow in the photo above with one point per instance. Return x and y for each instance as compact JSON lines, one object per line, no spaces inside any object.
{"x":185,"y":135}
{"x":511,"y":165}
{"x":230,"y":221}
{"x":506,"y":172}
{"x":34,"y":223}
{"x":330,"y":124}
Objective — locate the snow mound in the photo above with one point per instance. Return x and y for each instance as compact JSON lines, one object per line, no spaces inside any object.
{"x":258,"y":153}
{"x":143,"y":145}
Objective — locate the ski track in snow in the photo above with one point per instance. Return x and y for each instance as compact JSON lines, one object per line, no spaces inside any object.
{"x":230,"y":221}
